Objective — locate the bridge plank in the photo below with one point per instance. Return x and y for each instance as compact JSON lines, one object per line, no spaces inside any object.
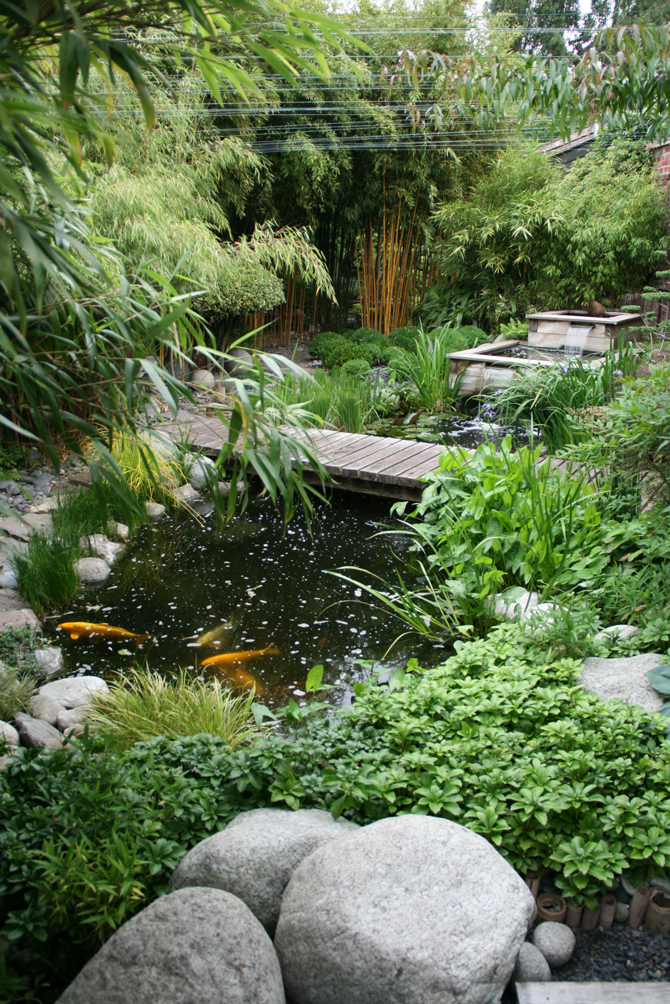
{"x":361,"y":461}
{"x":593,"y":993}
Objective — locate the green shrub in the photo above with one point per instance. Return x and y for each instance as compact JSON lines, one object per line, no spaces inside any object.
{"x":322,"y":342}
{"x":356,"y":367}
{"x":475,"y":336}
{"x":341,"y":352}
{"x":145,"y":704}
{"x":404,"y":338}
{"x":366,"y":336}
{"x":499,"y":738}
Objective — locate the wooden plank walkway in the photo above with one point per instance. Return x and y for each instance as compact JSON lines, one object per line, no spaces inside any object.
{"x":375,"y":465}
{"x":593,"y":993}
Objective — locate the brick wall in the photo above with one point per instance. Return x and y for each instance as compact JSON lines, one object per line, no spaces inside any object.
{"x":662,"y":159}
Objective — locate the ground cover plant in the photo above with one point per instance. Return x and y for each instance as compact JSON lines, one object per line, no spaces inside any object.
{"x":499,"y":738}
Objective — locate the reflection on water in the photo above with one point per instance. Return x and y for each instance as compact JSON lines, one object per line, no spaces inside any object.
{"x":465,"y":431}
{"x":249,"y":586}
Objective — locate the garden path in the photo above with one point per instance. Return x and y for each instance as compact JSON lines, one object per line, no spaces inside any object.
{"x":375,"y":465}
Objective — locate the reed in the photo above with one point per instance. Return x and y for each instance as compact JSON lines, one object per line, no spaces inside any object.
{"x":46,"y":575}
{"x":344,"y":402}
{"x":394,"y":270}
{"x":145,"y":704}
{"x":428,"y":370}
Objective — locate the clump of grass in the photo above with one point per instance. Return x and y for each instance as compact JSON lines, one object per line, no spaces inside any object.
{"x":86,"y":511}
{"x":46,"y":575}
{"x":145,"y":704}
{"x":345,"y":401}
{"x":15,"y":692}
{"x":428,"y":370}
{"x":151,"y":475}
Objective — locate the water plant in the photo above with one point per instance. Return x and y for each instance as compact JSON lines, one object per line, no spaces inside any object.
{"x":554,"y":398}
{"x":347,"y":401}
{"x":145,"y":704}
{"x":428,"y":369}
{"x":45,"y":573}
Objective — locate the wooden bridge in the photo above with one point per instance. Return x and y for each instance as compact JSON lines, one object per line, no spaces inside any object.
{"x":376,"y":465}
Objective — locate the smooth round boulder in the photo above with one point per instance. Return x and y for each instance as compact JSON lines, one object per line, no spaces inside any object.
{"x":204,"y":378}
{"x":92,"y":571}
{"x":256,"y":854}
{"x":531,"y":965}
{"x":239,"y":363}
{"x":193,"y":945}
{"x":555,"y":941}
{"x":409,"y":910}
{"x":73,"y":691}
{"x":198,"y":469}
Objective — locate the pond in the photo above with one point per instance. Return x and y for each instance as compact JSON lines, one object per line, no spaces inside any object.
{"x":184,"y":577}
{"x":466,"y":431}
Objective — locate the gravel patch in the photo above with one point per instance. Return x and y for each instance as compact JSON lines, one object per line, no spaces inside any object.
{"x":618,"y":954}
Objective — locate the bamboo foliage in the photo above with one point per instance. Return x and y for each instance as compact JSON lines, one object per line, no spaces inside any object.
{"x":394,"y":270}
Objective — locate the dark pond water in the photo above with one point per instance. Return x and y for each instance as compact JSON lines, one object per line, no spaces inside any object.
{"x":184,"y":577}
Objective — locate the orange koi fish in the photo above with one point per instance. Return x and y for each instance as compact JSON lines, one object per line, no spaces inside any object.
{"x":242,"y":679}
{"x":97,"y":632}
{"x":226,"y":657}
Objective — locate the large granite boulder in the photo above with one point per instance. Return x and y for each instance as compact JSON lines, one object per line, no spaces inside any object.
{"x":195,"y":945}
{"x":256,"y":854}
{"x":409,"y":910}
{"x":625,"y":679}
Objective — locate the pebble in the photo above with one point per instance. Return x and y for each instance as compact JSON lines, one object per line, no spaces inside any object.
{"x":555,"y":941}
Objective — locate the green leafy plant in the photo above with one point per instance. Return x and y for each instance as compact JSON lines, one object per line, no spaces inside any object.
{"x":500,"y":737}
{"x":556,"y":399}
{"x":145,"y":704}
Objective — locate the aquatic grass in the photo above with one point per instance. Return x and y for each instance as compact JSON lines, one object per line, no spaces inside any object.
{"x":16,"y":690}
{"x":428,"y":371}
{"x":45,"y":573}
{"x":345,"y":401}
{"x":144,"y":704}
{"x":151,"y":475}
{"x":549,"y":396}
